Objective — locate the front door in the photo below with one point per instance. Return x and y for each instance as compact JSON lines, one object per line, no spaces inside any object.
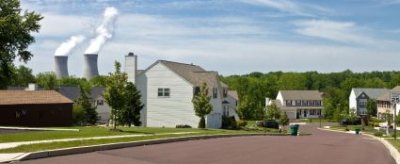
{"x":305,"y":113}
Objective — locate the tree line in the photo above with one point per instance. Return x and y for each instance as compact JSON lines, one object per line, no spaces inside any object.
{"x":253,"y":88}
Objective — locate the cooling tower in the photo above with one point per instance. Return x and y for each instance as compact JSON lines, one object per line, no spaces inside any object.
{"x":61,"y":66}
{"x":90,"y":68}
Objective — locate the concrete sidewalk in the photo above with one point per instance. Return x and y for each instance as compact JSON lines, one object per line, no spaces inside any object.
{"x":15,"y":156}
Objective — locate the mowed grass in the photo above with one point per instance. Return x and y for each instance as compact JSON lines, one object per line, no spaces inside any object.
{"x":92,"y":131}
{"x":59,"y":145}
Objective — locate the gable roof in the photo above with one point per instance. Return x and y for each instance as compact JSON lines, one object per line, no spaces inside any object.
{"x":301,"y":94}
{"x":18,"y":97}
{"x":372,"y":93}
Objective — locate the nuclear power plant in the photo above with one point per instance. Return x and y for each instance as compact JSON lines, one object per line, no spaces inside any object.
{"x":90,"y":66}
{"x":61,"y":66}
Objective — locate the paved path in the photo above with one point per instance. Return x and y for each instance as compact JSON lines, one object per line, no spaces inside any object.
{"x":323,"y":147}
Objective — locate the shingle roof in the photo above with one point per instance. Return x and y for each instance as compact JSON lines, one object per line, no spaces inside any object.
{"x":18,"y":97}
{"x":386,"y":95}
{"x":192,"y":73}
{"x":372,"y":93}
{"x":233,"y":94}
{"x":301,"y":94}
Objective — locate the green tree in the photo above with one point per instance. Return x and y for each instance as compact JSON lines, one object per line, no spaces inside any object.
{"x":78,"y":114}
{"x":273,"y":112}
{"x":16,"y":29}
{"x":131,"y":114}
{"x":284,"y":120}
{"x":47,"y":80}
{"x":371,"y":107}
{"x":115,"y":92}
{"x":244,"y":109}
{"x":202,"y":106}
{"x":99,"y":81}
{"x":86,"y":103}
{"x":23,"y":76}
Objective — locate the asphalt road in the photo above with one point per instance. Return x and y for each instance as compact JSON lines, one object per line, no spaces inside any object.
{"x":322,"y":147}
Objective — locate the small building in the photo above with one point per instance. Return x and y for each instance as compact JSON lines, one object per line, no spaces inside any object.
{"x":34,"y":108}
{"x":299,"y":104}
{"x":230,"y":104}
{"x":359,"y":97}
{"x":384,"y":104}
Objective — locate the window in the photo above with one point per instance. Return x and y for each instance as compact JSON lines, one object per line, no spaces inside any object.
{"x":312,"y":112}
{"x":215,"y":93}
{"x":100,"y":102}
{"x":225,"y":92}
{"x":196,"y":91}
{"x":164,"y":92}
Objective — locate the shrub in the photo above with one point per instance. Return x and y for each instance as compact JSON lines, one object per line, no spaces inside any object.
{"x":229,"y":122}
{"x":241,"y":123}
{"x":183,"y":126}
{"x":378,"y":134}
{"x":260,"y":124}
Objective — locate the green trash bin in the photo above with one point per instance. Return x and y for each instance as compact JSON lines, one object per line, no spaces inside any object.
{"x":294,"y":129}
{"x":357,"y":131}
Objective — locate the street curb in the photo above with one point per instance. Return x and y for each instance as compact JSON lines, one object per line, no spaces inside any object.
{"x":94,"y":148}
{"x":392,"y":150}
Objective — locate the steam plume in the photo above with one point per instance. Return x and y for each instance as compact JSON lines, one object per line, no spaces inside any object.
{"x":65,"y":48}
{"x":104,"y":31}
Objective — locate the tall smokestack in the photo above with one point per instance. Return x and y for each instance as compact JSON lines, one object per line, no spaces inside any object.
{"x":61,"y":66}
{"x":131,"y":66}
{"x":90,"y":67}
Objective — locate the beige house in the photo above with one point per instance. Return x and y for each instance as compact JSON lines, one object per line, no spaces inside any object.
{"x":299,"y":104}
{"x":384,"y":104}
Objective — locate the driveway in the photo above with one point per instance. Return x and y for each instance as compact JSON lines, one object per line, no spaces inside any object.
{"x":322,"y":147}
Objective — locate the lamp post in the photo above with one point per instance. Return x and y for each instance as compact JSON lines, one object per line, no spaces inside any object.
{"x":395,"y":100}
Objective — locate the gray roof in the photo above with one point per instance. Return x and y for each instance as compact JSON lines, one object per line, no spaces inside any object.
{"x":301,"y":94}
{"x":193,"y":74}
{"x":386,"y":95}
{"x":233,"y":94}
{"x":73,"y":92}
{"x":372,"y":93}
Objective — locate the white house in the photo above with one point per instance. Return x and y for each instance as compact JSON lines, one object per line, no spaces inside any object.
{"x":359,"y":97}
{"x":384,"y":103}
{"x":168,"y":88}
{"x":299,"y":103}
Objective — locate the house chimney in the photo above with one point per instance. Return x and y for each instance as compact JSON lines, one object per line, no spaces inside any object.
{"x":61,"y":66}
{"x":131,"y":67}
{"x":90,"y":67}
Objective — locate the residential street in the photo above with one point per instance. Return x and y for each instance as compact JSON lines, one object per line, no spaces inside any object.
{"x":322,"y":147}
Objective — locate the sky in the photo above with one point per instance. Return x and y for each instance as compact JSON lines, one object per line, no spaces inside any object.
{"x":228,"y":36}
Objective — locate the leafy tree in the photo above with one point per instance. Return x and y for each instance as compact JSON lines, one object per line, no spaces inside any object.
{"x":23,"y":76}
{"x":86,"y":103}
{"x":99,"y":81}
{"x":131,"y":114}
{"x":273,"y":112}
{"x":284,"y":120}
{"x":202,"y":106}
{"x":115,"y":92}
{"x":16,"y":29}
{"x":371,"y":107}
{"x":78,"y":114}
{"x":244,"y":109}
{"x":47,"y":80}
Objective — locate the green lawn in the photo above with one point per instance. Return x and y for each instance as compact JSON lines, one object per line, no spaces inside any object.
{"x":101,"y":131}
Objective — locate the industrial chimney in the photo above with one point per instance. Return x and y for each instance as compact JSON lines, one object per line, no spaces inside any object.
{"x":61,"y":66}
{"x":90,"y":67}
{"x":131,"y":66}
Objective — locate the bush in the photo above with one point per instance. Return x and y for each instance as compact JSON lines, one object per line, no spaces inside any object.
{"x":78,"y":114}
{"x":260,"y":124}
{"x":183,"y":126}
{"x":241,"y":123}
{"x":378,"y":134}
{"x":202,"y":123}
{"x":229,"y":122}
{"x":353,"y":121}
{"x":271,"y":124}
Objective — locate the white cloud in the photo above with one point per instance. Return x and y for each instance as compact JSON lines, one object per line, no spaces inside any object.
{"x":56,"y":25}
{"x":346,"y":32}
{"x":291,"y":7}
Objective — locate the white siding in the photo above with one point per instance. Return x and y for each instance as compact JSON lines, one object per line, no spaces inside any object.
{"x":171,"y":111}
{"x":280,"y":98}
